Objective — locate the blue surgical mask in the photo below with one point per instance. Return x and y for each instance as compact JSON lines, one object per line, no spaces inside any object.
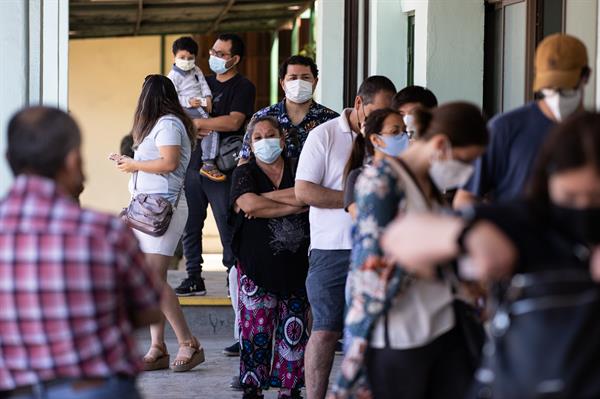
{"x":217,"y":65}
{"x":394,"y":145}
{"x":268,"y":150}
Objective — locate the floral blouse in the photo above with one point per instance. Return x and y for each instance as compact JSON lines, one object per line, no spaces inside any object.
{"x":373,"y":283}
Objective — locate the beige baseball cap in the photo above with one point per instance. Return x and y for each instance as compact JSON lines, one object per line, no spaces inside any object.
{"x":559,"y":60}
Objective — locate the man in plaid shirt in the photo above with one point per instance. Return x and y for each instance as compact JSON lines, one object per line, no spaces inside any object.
{"x":73,"y":285}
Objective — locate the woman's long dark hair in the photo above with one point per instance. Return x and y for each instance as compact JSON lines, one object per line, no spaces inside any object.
{"x":362,"y":145}
{"x":572,"y":144}
{"x":158,"y":98}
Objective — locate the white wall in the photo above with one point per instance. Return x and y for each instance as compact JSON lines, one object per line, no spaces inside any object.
{"x":33,"y":61}
{"x":388,"y":26}
{"x":455,"y":49}
{"x":420,"y":9}
{"x":330,"y":53}
{"x":582,"y":22}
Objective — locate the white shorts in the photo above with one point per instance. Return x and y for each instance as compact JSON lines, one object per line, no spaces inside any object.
{"x":167,"y":243}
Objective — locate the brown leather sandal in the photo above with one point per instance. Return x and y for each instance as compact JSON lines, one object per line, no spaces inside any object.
{"x":190,"y":355}
{"x":157,"y":358}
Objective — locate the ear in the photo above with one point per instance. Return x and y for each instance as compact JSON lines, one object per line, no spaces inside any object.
{"x":282,"y":84}
{"x":235,"y":59}
{"x":376,"y":140}
{"x":585,"y":76}
{"x":439,"y":144}
{"x":358,"y":103}
{"x":315,"y":84}
{"x":72,"y":161}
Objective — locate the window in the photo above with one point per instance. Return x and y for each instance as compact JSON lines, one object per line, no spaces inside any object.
{"x":513,"y":28}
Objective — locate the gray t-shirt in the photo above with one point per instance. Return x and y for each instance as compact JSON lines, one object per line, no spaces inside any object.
{"x":168,"y":131}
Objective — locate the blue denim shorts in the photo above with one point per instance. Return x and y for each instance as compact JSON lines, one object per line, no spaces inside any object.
{"x":325,"y":286}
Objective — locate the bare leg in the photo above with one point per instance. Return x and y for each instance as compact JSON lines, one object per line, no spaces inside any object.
{"x":318,"y":360}
{"x":169,"y":304}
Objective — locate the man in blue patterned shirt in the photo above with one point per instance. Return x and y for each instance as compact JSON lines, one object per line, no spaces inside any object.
{"x":297,"y":113}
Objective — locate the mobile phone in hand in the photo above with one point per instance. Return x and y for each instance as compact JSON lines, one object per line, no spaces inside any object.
{"x":113,"y":156}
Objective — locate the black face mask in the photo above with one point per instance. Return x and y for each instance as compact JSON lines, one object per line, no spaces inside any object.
{"x":582,"y":224}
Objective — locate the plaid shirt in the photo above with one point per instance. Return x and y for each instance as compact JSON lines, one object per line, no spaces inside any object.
{"x":316,"y":115}
{"x":70,"y":279}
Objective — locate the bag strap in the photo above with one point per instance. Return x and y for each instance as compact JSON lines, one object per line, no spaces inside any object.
{"x":135,"y":177}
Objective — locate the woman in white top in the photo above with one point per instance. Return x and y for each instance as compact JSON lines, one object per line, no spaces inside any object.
{"x":163,"y":137}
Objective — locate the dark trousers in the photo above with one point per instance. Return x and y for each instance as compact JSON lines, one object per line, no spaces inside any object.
{"x":200,"y":192}
{"x":439,"y":369}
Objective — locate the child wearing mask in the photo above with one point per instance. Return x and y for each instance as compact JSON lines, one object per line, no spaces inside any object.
{"x":196,"y":99}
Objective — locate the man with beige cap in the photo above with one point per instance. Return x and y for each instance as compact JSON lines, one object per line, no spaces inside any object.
{"x":561,"y":72}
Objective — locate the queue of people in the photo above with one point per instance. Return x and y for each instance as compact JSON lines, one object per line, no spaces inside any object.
{"x":333,"y":225}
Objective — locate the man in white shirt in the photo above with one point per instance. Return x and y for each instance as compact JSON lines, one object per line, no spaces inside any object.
{"x":319,"y":183}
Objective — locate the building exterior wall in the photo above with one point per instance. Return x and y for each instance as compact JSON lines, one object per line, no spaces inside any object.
{"x":33,"y":61}
{"x":105,"y":80}
{"x":582,"y":22}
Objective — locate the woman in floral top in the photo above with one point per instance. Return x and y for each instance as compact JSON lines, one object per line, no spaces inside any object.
{"x":407,"y":324}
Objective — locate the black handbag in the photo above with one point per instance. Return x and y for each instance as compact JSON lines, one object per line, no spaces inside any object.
{"x":229,"y":150}
{"x":544,"y":338}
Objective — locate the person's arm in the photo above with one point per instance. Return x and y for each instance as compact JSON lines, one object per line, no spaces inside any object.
{"x":318,"y":196}
{"x":257,"y":206}
{"x":286,"y":196}
{"x":168,"y":161}
{"x":493,"y":254}
{"x":464,"y":199}
{"x":226,"y":123}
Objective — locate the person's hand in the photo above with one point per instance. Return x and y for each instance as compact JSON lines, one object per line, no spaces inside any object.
{"x":492,"y":253}
{"x":203,"y":133}
{"x":208,"y":104}
{"x":595,"y":264}
{"x":404,"y":242}
{"x":126,"y":164}
{"x":194,"y":102}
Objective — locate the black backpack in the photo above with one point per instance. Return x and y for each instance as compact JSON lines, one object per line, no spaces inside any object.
{"x":229,"y":151}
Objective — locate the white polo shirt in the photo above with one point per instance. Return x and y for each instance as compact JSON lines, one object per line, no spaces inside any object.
{"x":322,"y":161}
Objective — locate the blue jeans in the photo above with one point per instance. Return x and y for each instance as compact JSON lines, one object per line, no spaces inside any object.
{"x":200,"y":192}
{"x":114,"y":387}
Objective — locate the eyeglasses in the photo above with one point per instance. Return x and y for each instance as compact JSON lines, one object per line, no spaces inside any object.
{"x":218,"y":54}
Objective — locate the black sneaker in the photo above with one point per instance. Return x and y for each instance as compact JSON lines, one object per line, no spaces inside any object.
{"x":190,"y":286}
{"x":235,"y":383}
{"x":233,"y":350}
{"x":339,"y":348}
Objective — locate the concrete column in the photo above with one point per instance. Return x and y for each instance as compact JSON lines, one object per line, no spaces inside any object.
{"x":455,"y":30}
{"x":34,"y":38}
{"x":274,"y":68}
{"x":330,"y":53}
{"x":388,"y":41}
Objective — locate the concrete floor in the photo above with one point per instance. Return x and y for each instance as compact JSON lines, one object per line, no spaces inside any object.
{"x":211,"y":379}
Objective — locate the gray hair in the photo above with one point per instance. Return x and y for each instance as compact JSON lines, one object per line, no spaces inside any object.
{"x":252,"y":125}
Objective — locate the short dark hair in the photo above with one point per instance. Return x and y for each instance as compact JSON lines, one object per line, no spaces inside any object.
{"x":373,"y":85}
{"x":185,"y":43}
{"x":39,"y":139}
{"x":298,"y":60}
{"x":237,"y":44}
{"x":415,"y":94}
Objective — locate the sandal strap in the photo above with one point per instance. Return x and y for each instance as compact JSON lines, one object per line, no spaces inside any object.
{"x":192,"y":343}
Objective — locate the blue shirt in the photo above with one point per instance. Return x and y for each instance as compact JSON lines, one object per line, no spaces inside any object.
{"x":516,"y":138}
{"x":316,"y":115}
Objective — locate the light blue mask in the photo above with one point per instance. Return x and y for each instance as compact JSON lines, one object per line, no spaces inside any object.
{"x":268,"y":150}
{"x":217,"y":65}
{"x":394,"y":145}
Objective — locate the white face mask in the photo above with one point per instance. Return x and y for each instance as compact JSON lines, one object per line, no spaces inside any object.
{"x":409,"y":122}
{"x":448,"y":174}
{"x":564,"y":103}
{"x":185,"y":65}
{"x":298,"y":91}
